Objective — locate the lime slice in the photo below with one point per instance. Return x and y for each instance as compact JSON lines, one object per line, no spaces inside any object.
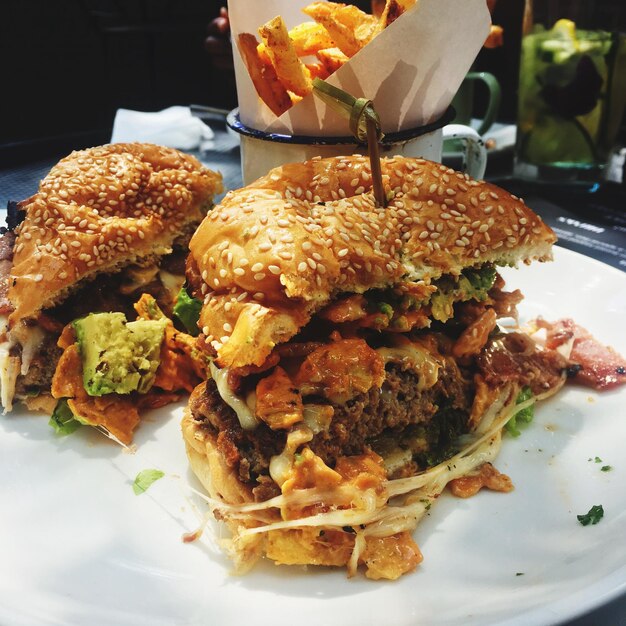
{"x":566,"y":28}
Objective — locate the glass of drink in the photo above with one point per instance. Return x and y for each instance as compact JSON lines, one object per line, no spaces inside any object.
{"x":572,"y":92}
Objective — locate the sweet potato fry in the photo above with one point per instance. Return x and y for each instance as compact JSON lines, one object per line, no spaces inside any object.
{"x":289,"y":69}
{"x":332,"y":59}
{"x":263,"y":76}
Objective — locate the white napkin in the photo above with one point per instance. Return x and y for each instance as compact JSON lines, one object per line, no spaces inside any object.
{"x":174,"y":127}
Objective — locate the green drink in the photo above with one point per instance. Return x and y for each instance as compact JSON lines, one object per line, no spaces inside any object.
{"x":572,"y":92}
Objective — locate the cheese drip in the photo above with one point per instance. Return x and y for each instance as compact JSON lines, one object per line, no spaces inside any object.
{"x":423,"y":360}
{"x":246,"y":417}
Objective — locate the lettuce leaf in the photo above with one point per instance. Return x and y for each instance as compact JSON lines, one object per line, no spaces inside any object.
{"x":525,"y":416}
{"x":187,"y":310}
{"x":63,"y":420}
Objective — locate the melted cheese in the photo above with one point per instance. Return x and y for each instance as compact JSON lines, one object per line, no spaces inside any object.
{"x":172,"y":282}
{"x":281,"y":464}
{"x":317,"y":417}
{"x":246,"y":417}
{"x":421,"y":360}
{"x":9,"y":371}
{"x":31,"y":339}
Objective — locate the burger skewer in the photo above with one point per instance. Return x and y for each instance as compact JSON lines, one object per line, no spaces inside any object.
{"x":364,"y":125}
{"x":345,"y":370}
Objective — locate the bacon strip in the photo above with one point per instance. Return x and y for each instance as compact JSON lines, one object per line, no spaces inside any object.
{"x":601,"y":366}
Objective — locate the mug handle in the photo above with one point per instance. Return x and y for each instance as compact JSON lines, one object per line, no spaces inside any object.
{"x":474,"y":153}
{"x":495,"y":94}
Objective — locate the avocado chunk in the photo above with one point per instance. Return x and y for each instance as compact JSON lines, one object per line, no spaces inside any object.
{"x":118,"y":356}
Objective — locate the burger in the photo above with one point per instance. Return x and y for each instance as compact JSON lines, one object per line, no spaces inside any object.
{"x":358,"y":363}
{"x":107,"y":225}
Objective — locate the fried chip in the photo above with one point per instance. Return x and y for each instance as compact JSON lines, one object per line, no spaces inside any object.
{"x":263,"y":76}
{"x":331,"y":59}
{"x":289,"y":68}
{"x":348,"y":26}
{"x":309,"y":37}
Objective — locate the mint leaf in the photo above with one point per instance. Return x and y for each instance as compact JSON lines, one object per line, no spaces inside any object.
{"x":593,"y":516}
{"x":144,"y":479}
{"x":63,"y":420}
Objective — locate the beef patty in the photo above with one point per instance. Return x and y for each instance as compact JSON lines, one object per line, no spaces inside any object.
{"x":388,"y":410}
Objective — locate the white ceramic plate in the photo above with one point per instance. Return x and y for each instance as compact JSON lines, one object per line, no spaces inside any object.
{"x":78,"y":547}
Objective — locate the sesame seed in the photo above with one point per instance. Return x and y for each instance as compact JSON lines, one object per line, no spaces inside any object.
{"x":239,"y":271}
{"x":274,"y":269}
{"x":302,"y":267}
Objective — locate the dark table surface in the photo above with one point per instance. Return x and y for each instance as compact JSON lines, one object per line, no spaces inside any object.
{"x":590,"y":219}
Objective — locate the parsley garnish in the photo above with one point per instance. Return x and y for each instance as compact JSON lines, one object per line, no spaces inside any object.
{"x":593,"y":516}
{"x":606,"y":468}
{"x":145,"y":478}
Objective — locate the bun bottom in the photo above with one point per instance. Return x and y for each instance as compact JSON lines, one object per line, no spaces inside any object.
{"x":384,"y":557}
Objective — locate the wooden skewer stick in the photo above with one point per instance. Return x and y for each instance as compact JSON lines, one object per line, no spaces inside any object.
{"x":364,"y":125}
{"x":377,"y":176}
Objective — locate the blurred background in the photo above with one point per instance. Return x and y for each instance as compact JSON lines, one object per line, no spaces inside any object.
{"x":69,"y":64}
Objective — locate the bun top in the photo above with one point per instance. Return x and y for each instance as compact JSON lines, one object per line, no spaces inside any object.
{"x":274,"y":253}
{"x":99,"y":210}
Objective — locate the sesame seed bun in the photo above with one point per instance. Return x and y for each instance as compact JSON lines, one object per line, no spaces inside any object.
{"x":99,"y":210}
{"x":274,"y":253}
